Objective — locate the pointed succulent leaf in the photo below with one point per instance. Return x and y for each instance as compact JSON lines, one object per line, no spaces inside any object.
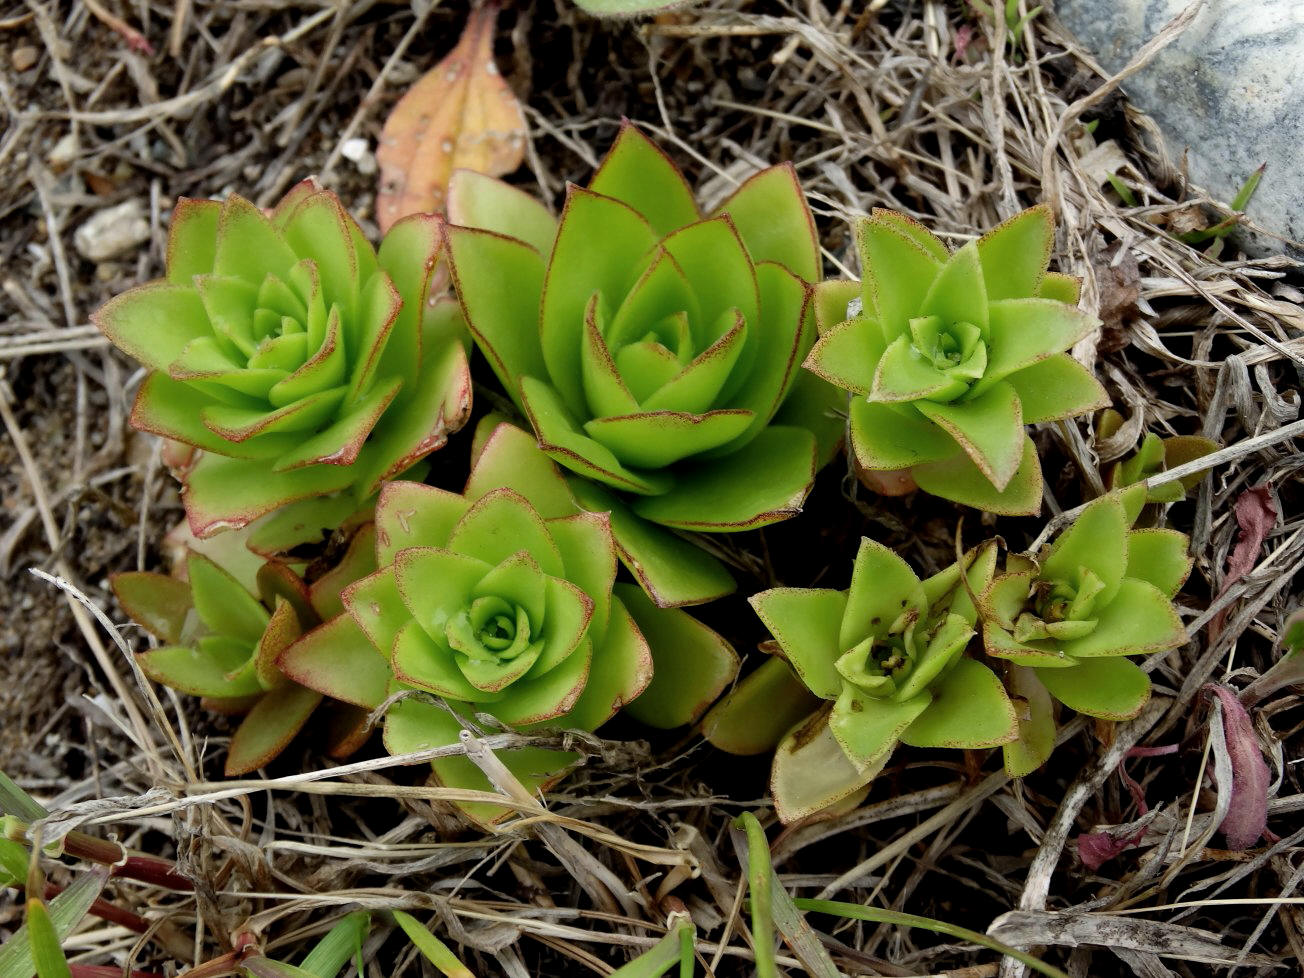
{"x":211,"y":667}
{"x":883,"y":588}
{"x":269,"y":727}
{"x":1159,"y":557}
{"x":772,"y":217}
{"x":833,"y":299}
{"x":754,"y":716}
{"x":969,"y":709}
{"x":639,"y":174}
{"x":1015,"y":253}
{"x":337,"y":660}
{"x":1097,"y":541}
{"x":989,"y":428}
{"x":1112,"y":688}
{"x":1140,"y":618}
{"x":657,"y":439}
{"x":511,"y":459}
{"x":1027,"y":331}
{"x":811,"y":771}
{"x":476,"y":200}
{"x":764,"y":482}
{"x":1055,"y":388}
{"x":805,"y":622}
{"x":621,"y":672}
{"x":159,"y":603}
{"x":154,"y":323}
{"x":377,"y":608}
{"x":957,"y":294}
{"x":959,"y":479}
{"x":867,"y":728}
{"x":1035,"y":712}
{"x":887,"y":436}
{"x":192,"y":236}
{"x":222,"y":603}
{"x":898,"y":273}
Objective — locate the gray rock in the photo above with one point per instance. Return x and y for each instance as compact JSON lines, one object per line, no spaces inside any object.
{"x":112,"y":231}
{"x":1229,"y":90}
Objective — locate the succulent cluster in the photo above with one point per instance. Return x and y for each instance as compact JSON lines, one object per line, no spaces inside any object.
{"x":655,"y":354}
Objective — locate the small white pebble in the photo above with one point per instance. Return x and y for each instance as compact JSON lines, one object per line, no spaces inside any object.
{"x":358,"y":152}
{"x":112,"y":231}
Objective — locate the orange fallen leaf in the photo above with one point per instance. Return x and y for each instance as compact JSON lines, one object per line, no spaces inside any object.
{"x":459,"y":115}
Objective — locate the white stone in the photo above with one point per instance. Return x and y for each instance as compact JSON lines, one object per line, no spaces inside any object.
{"x":112,"y":231}
{"x":358,"y":151}
{"x":1228,"y":91}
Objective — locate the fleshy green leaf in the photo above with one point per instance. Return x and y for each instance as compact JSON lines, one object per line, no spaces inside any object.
{"x":205,"y":669}
{"x":1055,"y":388}
{"x":1159,"y":557}
{"x":157,"y":602}
{"x":1110,"y":688}
{"x":720,"y":274}
{"x":476,"y":200}
{"x":989,"y":428}
{"x":153,"y":323}
{"x":657,"y":439}
{"x":765,"y":481}
{"x":621,"y":670}
{"x":222,"y":603}
{"x":882,"y":588}
{"x":192,"y":239}
{"x":1140,"y":618}
{"x":812,"y":772}
{"x":903,"y":375}
{"x":248,"y":247}
{"x":1035,"y":712}
{"x":957,"y":294}
{"x":1061,"y":288}
{"x":377,"y":608}
{"x":1015,"y":253}
{"x":511,"y":458}
{"x":691,"y":664}
{"x":765,"y":705}
{"x":409,"y":514}
{"x":969,"y":709}
{"x":957,"y":478}
{"x":637,"y":172}
{"x":868,"y":728}
{"x":832,"y":299}
{"x":847,"y":354}
{"x":898,"y":273}
{"x":502,"y":523}
{"x":772,"y":217}
{"x":222,"y":493}
{"x":269,"y":728}
{"x":499,"y":281}
{"x":601,"y":247}
{"x":337,"y":660}
{"x":549,"y":696}
{"x":672,"y":571}
{"x":805,"y":622}
{"x":697,"y":386}
{"x":1028,"y":331}
{"x":885,"y":437}
{"x":420,"y":661}
{"x":1097,"y":540}
{"x":588,"y":553}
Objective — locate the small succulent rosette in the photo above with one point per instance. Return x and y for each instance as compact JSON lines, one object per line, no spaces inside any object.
{"x":502,"y":603}
{"x":1068,"y":618}
{"x":221,"y":639}
{"x":298,"y":360}
{"x":951,"y":354}
{"x":1153,"y":456}
{"x":886,"y":658}
{"x":655,"y":350}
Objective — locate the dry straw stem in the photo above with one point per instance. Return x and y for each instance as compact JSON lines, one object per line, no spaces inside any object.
{"x":919,"y":107}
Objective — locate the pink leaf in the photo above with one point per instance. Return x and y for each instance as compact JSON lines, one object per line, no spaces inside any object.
{"x":1247,"y":815}
{"x":1256,"y":514}
{"x":1097,"y":848}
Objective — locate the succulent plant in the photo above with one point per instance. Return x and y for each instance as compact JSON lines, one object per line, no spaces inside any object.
{"x":1153,"y":456}
{"x":1070,"y":616}
{"x":951,"y":355}
{"x":654,"y":349}
{"x":299,"y":361}
{"x":221,"y":642}
{"x":887,"y":658}
{"x":503,"y":602}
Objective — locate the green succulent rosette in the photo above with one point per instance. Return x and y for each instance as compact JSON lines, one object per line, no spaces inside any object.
{"x":221,"y":640}
{"x":886,"y":657}
{"x":655,"y":350}
{"x":503,"y":601}
{"x":1069,"y":617}
{"x":297,"y":359}
{"x":1153,"y":456}
{"x":951,"y":355}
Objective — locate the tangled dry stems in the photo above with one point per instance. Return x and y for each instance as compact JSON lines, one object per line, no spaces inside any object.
{"x":913,"y":107}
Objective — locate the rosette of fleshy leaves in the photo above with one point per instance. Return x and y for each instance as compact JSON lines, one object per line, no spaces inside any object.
{"x":297,"y":359}
{"x":1153,"y":456}
{"x":222,"y":636}
{"x":1067,"y":618}
{"x":951,"y":355}
{"x":502,"y":602}
{"x":655,"y":349}
{"x":886,"y":657}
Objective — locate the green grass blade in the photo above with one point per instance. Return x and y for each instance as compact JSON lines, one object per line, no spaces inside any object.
{"x":1122,"y":189}
{"x":13,"y":862}
{"x":1242,"y":198}
{"x":343,"y":941}
{"x":772,"y":907}
{"x":260,"y":967}
{"x":675,"y":948}
{"x":65,"y":912}
{"x":15,"y":801}
{"x":874,"y":915}
{"x":435,"y":950}
{"x":46,"y":953}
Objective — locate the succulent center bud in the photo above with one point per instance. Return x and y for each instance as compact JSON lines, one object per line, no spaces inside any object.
{"x":1061,"y":609}
{"x":877,"y":664}
{"x":489,"y":630}
{"x":954,"y":349}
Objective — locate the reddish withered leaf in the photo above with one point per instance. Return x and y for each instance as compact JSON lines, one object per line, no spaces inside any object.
{"x":459,"y":115}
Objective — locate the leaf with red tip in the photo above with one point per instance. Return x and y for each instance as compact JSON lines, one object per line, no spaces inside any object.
{"x":157,"y":602}
{"x":336,"y":659}
{"x":269,"y":728}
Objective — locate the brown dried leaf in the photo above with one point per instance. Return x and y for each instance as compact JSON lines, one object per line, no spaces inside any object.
{"x":459,"y":115}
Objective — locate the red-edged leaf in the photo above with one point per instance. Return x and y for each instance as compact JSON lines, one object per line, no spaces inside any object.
{"x":1247,"y":814}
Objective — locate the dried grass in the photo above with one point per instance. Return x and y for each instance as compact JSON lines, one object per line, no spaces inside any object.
{"x":877,"y":106}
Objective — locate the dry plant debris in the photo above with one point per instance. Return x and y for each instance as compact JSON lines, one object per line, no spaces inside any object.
{"x":914,"y":106}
